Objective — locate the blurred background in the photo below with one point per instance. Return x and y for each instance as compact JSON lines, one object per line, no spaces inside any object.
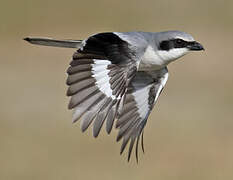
{"x":189,"y":134}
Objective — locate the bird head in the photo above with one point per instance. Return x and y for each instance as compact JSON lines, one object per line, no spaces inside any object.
{"x":174,"y":44}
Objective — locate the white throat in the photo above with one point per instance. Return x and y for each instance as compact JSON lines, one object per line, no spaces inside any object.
{"x":157,"y":59}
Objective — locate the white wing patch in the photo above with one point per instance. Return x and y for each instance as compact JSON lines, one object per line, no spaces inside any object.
{"x":163,"y":82}
{"x":100,"y":73}
{"x":141,"y":97}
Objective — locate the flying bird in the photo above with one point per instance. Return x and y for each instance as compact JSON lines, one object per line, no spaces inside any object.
{"x":117,"y":77}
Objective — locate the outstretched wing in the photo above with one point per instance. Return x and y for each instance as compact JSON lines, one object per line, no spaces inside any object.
{"x":141,"y":96}
{"x":98,"y":78}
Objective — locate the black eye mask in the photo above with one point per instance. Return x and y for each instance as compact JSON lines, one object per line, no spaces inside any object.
{"x":174,"y":43}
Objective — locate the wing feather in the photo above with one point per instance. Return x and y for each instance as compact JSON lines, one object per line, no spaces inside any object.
{"x":98,"y":78}
{"x":140,"y":99}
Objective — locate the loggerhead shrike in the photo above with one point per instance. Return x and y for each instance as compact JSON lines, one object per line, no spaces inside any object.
{"x":115,"y":75}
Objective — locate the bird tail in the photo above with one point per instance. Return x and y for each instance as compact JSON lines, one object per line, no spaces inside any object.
{"x":54,"y":42}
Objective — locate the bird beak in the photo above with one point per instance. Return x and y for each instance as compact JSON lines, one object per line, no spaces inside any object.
{"x":196,"y":46}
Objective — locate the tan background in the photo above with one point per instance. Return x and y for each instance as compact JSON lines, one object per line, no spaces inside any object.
{"x":189,"y":135}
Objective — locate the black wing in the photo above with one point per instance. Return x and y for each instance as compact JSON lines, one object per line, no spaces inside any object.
{"x":99,"y":75}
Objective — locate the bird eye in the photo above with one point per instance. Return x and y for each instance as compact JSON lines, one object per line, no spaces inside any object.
{"x":179,"y":41}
